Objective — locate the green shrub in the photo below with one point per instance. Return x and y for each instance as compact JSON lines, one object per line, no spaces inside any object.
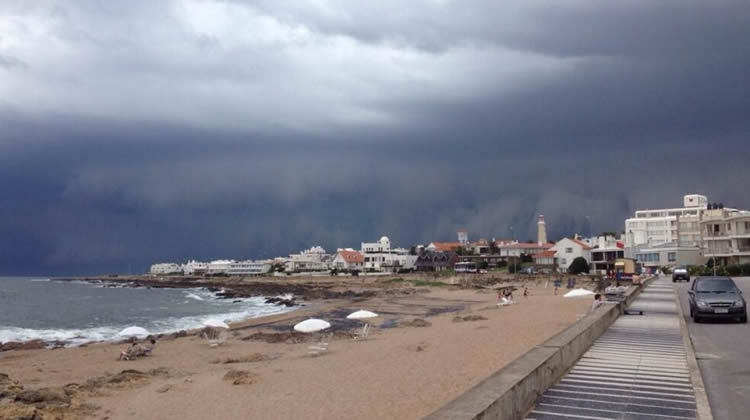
{"x":579,"y":265}
{"x":734,"y":270}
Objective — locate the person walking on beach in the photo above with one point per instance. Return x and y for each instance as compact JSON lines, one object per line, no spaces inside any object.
{"x":525,"y":292}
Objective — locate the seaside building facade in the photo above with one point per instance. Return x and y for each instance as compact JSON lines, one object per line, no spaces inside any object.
{"x":661,"y":226}
{"x":218,"y":267}
{"x":668,"y":255}
{"x":313,"y":259}
{"x":348,"y":260}
{"x":380,"y":257}
{"x":605,"y":250}
{"x":165,"y":269}
{"x":194,"y":268}
{"x":568,"y":249}
{"x":726,"y":235}
{"x":430,"y":261}
{"x":248,"y":268}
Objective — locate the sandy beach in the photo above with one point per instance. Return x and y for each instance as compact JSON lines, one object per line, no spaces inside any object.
{"x":264,"y":372}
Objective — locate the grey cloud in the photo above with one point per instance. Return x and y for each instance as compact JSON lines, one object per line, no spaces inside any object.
{"x":166,"y":131}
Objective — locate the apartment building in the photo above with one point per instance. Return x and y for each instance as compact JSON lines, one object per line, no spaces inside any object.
{"x":680,"y":225}
{"x":726,"y":235}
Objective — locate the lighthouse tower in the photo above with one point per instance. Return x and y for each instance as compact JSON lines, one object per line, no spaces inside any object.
{"x":541,"y":231}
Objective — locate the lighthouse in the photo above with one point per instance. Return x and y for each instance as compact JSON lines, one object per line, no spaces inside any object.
{"x":541,"y":231}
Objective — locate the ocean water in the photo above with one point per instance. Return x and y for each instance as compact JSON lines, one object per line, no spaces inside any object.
{"x":78,"y":312}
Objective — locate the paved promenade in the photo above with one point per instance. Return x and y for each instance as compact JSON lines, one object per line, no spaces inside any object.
{"x":636,"y":370}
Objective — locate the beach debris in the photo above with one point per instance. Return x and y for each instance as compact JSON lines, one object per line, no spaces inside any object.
{"x":241,"y":377}
{"x":137,"y":332}
{"x":578,"y":293}
{"x":312,"y":325}
{"x":417,"y":322}
{"x":459,"y":318}
{"x":165,"y":388}
{"x":216,"y":323}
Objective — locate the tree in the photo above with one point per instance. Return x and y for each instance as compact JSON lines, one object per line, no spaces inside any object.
{"x":579,"y":265}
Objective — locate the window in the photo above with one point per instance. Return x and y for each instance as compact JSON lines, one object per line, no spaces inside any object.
{"x":672,"y":256}
{"x":563,"y":261}
{"x":568,"y":250}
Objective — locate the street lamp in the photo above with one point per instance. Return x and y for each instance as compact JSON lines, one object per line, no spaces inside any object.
{"x":513,"y":239}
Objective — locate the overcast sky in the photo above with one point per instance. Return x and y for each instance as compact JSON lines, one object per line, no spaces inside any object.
{"x":134,"y":132}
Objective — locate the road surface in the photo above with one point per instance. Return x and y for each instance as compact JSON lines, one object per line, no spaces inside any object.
{"x":723,"y":353}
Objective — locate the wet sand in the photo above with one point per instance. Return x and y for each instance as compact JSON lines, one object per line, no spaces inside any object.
{"x":399,"y":372}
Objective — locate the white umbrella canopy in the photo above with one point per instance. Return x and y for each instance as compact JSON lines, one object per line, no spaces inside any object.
{"x":578,"y":293}
{"x":134,"y":332}
{"x":361,"y":315}
{"x":311,"y":325}
{"x":216,"y":323}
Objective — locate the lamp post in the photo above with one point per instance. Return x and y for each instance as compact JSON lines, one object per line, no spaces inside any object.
{"x":513,"y":239}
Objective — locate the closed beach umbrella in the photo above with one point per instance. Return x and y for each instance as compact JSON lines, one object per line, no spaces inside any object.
{"x":361,"y":315}
{"x":578,"y":293}
{"x":134,"y":332}
{"x":311,"y":325}
{"x":216,"y":323}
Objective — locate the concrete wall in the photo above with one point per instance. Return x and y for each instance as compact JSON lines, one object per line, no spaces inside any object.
{"x":511,"y":392}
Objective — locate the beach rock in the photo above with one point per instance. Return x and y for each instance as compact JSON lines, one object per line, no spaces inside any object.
{"x":417,"y":322}
{"x":282,"y":337}
{"x":240,"y":377}
{"x":44,"y":395}
{"x":459,"y":318}
{"x":19,"y":412}
{"x":178,"y":334}
{"x":9,"y":387}
{"x":23,"y":345}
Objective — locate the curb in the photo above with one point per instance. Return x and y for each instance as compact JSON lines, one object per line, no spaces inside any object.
{"x":702,"y":405}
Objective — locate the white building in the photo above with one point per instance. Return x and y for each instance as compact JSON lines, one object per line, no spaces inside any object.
{"x":668,"y":255}
{"x":194,"y":268}
{"x":379,"y":256}
{"x":348,"y":259}
{"x":166,"y":268}
{"x":381,"y":246}
{"x":569,"y":249}
{"x":726,"y":235}
{"x":248,"y":268}
{"x":660,"y":226}
{"x":219,"y":267}
{"x":313,"y":259}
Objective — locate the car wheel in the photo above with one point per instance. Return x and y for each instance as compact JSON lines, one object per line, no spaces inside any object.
{"x":743,"y":319}
{"x":691,"y":312}
{"x":674,"y":281}
{"x":697,"y":319}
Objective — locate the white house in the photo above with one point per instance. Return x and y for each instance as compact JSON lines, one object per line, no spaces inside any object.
{"x":166,"y":268}
{"x":348,"y":260}
{"x":569,"y":249}
{"x":194,"y":268}
{"x":248,"y":268}
{"x":219,"y":266}
{"x":381,"y":246}
{"x":313,"y":259}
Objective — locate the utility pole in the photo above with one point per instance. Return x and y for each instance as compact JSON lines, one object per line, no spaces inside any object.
{"x":513,"y":239}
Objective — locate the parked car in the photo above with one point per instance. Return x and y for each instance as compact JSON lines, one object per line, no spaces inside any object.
{"x":716,"y":297}
{"x":680,"y":273}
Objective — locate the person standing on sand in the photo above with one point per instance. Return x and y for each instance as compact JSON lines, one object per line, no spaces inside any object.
{"x":526,"y":292}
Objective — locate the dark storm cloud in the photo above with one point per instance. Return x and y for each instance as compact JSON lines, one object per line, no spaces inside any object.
{"x":135,"y":132}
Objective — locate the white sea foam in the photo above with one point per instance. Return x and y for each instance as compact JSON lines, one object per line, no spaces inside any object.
{"x":75,"y":337}
{"x":39,"y":280}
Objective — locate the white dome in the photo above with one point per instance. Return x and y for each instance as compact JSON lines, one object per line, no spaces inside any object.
{"x":384,"y":239}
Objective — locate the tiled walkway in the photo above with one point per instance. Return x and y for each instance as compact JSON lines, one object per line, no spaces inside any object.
{"x":635,"y":370}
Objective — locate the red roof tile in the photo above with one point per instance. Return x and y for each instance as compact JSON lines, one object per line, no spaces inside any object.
{"x":352,"y":256}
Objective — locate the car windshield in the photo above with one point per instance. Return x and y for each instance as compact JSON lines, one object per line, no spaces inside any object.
{"x":715,"y":286}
